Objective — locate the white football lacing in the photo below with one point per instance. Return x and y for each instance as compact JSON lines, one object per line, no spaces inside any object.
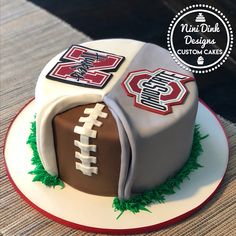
{"x":85,"y":133}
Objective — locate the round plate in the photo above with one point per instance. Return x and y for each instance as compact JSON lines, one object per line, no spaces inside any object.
{"x":94,"y":213}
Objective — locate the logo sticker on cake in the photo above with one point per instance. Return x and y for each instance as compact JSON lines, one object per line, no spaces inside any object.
{"x":85,"y":67}
{"x":156,"y":91}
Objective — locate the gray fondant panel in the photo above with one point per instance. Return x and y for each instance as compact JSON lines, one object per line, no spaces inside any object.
{"x":159,"y":144}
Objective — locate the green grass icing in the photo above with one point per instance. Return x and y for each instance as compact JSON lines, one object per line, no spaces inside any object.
{"x":40,"y":173}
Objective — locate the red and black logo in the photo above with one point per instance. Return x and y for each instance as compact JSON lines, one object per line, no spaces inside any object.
{"x":156,"y":91}
{"x":85,"y":67}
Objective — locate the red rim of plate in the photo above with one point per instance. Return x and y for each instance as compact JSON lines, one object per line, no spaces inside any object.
{"x":103,"y":230}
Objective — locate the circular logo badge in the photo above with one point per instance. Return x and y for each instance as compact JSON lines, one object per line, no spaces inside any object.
{"x":202,"y":45}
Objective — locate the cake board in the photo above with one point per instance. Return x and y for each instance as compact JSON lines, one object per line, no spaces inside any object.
{"x":92,"y":213}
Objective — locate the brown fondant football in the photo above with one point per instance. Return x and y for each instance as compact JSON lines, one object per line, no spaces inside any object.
{"x":107,"y":152}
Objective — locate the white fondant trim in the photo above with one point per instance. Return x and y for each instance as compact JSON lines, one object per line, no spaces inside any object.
{"x":86,"y":170}
{"x":82,"y":146}
{"x":86,"y":132}
{"x":90,"y":119}
{"x":86,"y":160}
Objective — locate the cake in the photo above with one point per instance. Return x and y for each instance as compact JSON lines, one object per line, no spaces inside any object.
{"x":200,"y":18}
{"x":114,"y":117}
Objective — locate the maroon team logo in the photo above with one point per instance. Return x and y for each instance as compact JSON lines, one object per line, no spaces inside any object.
{"x":85,"y":67}
{"x":156,"y":91}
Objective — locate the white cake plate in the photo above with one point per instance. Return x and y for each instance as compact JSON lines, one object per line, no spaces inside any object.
{"x":94,"y":213}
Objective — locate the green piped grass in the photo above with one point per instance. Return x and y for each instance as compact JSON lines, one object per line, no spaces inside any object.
{"x":140,"y":202}
{"x":40,"y":173}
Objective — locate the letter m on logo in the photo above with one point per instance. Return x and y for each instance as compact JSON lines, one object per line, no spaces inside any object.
{"x":85,"y":67}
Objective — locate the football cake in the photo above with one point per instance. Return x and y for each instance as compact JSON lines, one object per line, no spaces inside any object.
{"x":114,"y":117}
